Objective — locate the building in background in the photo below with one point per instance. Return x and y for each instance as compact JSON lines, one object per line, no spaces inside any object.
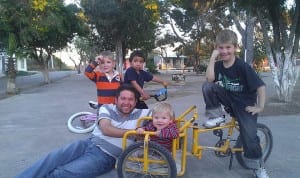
{"x":21,"y":63}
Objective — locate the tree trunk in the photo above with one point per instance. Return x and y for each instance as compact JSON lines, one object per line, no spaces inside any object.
{"x":289,"y":75}
{"x":11,"y":77}
{"x":119,"y":56}
{"x":283,"y":68}
{"x":247,"y":36}
{"x":45,"y":71}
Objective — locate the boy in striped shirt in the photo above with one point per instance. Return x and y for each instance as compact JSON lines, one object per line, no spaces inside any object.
{"x":107,"y":80}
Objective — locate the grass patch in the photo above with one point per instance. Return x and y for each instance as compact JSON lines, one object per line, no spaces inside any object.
{"x":25,"y":73}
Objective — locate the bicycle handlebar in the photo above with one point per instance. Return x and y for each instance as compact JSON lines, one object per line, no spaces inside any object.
{"x":160,"y":95}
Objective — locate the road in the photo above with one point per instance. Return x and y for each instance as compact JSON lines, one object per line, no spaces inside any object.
{"x":31,"y":81}
{"x":34,"y":123}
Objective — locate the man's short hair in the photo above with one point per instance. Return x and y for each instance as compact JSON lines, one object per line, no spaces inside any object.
{"x":127,"y":87}
{"x":227,"y":36}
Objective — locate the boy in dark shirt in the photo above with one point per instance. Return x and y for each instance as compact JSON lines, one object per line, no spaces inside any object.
{"x":136,"y":76}
{"x":234,"y":84}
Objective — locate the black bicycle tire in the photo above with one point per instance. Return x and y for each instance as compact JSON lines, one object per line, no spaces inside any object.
{"x":266,"y":152}
{"x":152,"y":146}
{"x":77,"y":130}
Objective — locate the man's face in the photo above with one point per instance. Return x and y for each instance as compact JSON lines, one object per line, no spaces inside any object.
{"x":126,"y":102}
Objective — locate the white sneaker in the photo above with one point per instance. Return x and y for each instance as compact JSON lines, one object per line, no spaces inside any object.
{"x":261,"y":173}
{"x":214,"y":122}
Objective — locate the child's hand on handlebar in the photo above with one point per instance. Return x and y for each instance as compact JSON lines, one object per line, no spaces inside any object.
{"x":165,"y":84}
{"x":145,"y":96}
{"x":157,"y":133}
{"x":140,"y":130}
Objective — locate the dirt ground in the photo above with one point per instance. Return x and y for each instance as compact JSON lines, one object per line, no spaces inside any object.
{"x":274,"y":107}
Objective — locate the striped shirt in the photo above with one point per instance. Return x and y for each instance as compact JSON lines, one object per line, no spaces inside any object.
{"x":106,"y":87}
{"x":166,"y":135}
{"x":112,"y":145}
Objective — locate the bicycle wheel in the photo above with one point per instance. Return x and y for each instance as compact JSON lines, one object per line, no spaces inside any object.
{"x":266,"y":142}
{"x":82,"y":122}
{"x":161,"y":163}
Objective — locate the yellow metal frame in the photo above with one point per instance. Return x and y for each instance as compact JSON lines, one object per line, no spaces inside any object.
{"x":184,"y":123}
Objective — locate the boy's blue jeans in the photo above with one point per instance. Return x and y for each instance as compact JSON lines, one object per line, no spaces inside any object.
{"x":214,"y":96}
{"x":81,"y":159}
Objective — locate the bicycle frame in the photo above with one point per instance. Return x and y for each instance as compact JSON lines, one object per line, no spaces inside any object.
{"x":92,"y":117}
{"x":197,"y":149}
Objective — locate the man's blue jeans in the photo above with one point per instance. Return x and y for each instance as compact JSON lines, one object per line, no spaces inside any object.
{"x":81,"y":159}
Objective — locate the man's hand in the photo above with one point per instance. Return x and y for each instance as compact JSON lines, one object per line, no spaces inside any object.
{"x":254,"y":109}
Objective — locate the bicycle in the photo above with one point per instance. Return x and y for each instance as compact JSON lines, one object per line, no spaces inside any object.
{"x":84,"y":122}
{"x":146,"y":159}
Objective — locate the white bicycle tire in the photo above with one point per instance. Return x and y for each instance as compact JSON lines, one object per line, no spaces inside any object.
{"x":77,"y":130}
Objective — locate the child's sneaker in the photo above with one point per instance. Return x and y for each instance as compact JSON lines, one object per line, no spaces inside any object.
{"x":261,"y":173}
{"x":214,"y":122}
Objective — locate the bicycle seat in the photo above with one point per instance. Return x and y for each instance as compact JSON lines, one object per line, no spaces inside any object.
{"x":93,"y":104}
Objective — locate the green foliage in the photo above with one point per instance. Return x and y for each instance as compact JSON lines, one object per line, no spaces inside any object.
{"x":129,"y":21}
{"x":151,"y":67}
{"x":25,"y":73}
{"x":198,"y":21}
{"x":200,"y":68}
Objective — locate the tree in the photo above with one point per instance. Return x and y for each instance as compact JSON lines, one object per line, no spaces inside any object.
{"x":52,"y":26}
{"x":87,"y":50}
{"x":13,"y":20}
{"x":280,"y":25}
{"x":241,"y":13}
{"x":39,"y":27}
{"x":128,"y":24}
{"x":197,"y":23}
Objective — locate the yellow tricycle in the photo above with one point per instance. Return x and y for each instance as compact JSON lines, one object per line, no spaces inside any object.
{"x":148,"y":159}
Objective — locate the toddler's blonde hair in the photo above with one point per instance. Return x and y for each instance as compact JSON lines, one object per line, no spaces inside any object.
{"x":163,"y":107}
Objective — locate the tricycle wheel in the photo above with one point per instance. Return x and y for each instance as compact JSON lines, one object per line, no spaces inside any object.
{"x":160,"y":162}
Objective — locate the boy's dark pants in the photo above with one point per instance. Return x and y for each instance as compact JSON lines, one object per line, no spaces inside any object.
{"x":141,"y":105}
{"x":214,"y":96}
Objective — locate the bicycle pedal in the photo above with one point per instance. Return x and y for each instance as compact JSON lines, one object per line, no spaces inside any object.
{"x":218,"y":133}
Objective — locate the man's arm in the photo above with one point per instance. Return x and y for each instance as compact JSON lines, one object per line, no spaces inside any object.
{"x":261,"y":100}
{"x":109,"y":130}
{"x":210,"y":71}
